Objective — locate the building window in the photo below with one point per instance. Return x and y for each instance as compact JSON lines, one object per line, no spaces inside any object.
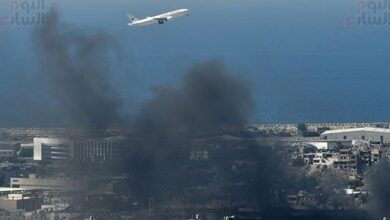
{"x":382,"y":139}
{"x":345,"y":137}
{"x":363,"y":137}
{"x":325,"y":137}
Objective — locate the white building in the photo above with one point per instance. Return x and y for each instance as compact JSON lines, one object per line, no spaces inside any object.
{"x":323,"y":159}
{"x":89,"y":150}
{"x":50,"y":184}
{"x":48,"y":149}
{"x":368,"y":133}
{"x":322,"y":145}
{"x":25,"y":202}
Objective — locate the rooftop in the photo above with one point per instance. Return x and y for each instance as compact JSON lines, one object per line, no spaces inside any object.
{"x":367,"y":129}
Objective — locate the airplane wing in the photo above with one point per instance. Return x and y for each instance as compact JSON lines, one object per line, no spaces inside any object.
{"x":162,"y":19}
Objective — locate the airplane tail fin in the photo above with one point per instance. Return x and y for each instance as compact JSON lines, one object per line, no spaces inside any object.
{"x":132,"y":18}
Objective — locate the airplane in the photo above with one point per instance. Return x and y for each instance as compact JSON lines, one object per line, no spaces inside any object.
{"x":160,"y":19}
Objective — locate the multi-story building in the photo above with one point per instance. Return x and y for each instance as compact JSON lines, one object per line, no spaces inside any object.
{"x":8,"y":150}
{"x":89,"y":150}
{"x":52,"y":149}
{"x":14,"y":202}
{"x":49,"y":184}
{"x":323,"y":159}
{"x":376,"y":154}
{"x":347,"y":160}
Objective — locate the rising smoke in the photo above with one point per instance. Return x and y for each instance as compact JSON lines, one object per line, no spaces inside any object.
{"x":76,"y":64}
{"x":207,"y":99}
{"x":378,"y":180}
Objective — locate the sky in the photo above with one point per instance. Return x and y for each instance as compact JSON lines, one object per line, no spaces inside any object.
{"x":302,"y":61}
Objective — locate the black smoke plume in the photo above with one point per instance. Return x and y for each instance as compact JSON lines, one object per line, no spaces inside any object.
{"x":378,"y":180}
{"x":208,"y":99}
{"x":76,"y":63}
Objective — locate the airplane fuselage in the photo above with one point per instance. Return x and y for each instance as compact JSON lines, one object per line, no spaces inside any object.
{"x":160,"y":19}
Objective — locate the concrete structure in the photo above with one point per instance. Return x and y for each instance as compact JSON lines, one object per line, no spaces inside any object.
{"x":8,"y":150}
{"x":376,"y":155}
{"x":93,"y":150}
{"x":301,"y":199}
{"x":322,"y":145}
{"x":378,"y":135}
{"x":323,"y":159}
{"x":88,"y":150}
{"x":50,"y":149}
{"x":34,"y":183}
{"x":308,"y":158}
{"x":347,"y":160}
{"x":27,"y":145}
{"x":13,"y":202}
{"x":12,"y":190}
{"x":5,"y":215}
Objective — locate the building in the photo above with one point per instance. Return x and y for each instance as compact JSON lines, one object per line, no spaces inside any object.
{"x":375,"y":135}
{"x":308,"y":158}
{"x":49,"y":184}
{"x":98,"y":150}
{"x":89,"y":150}
{"x":14,"y":202}
{"x":52,"y":149}
{"x":323,"y":159}
{"x":301,"y":199}
{"x":376,"y":155}
{"x":8,"y":151}
{"x":6,"y":215}
{"x":347,"y":160}
{"x":322,"y":145}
